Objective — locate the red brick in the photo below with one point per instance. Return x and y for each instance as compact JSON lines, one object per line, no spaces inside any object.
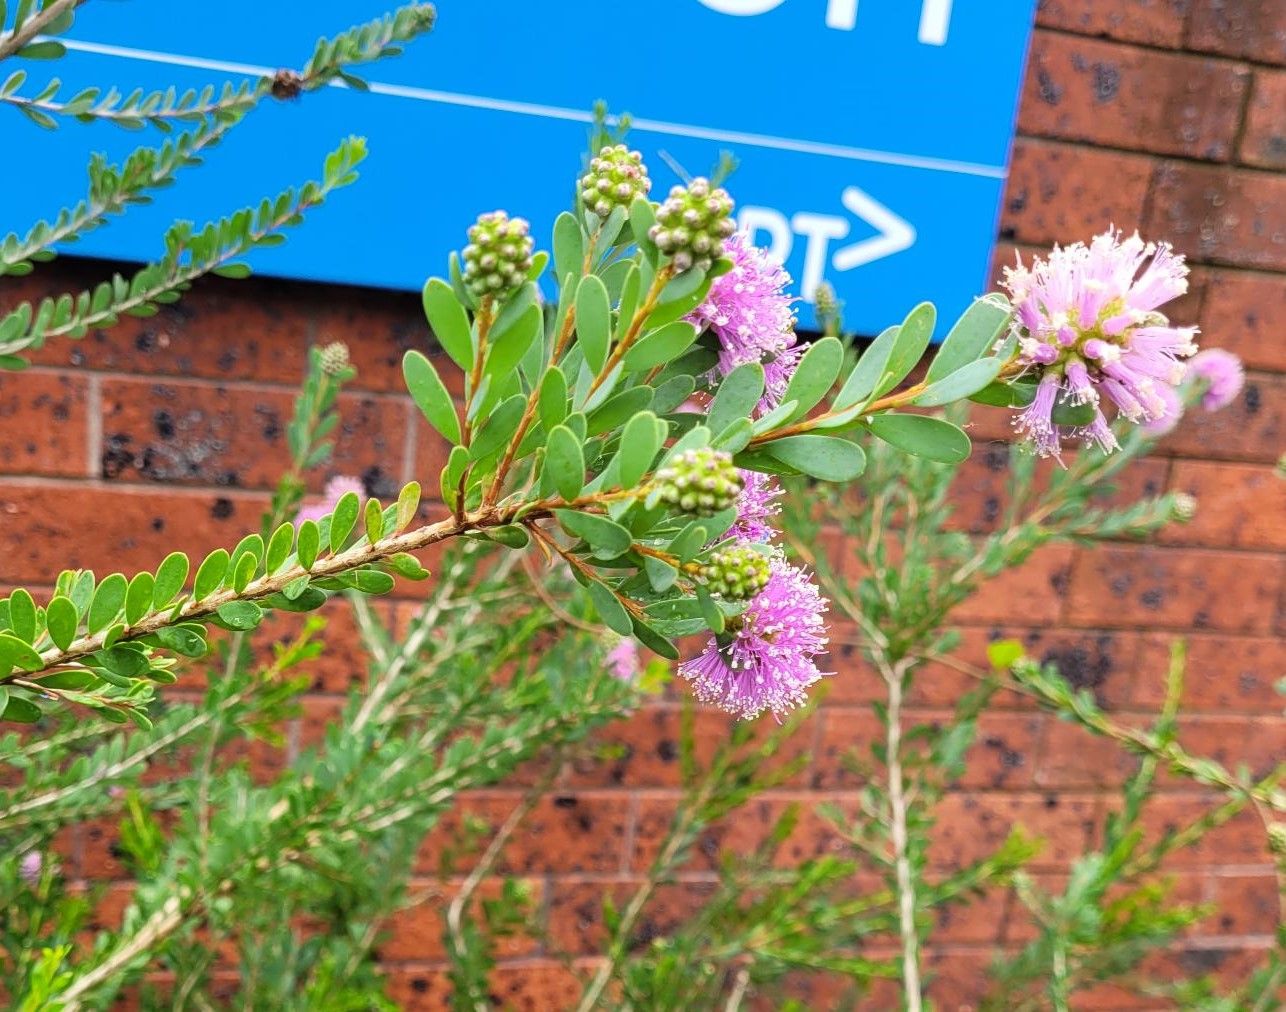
{"x":1173,"y":588}
{"x":1263,"y":141}
{"x":1004,"y":753}
{"x":1224,"y":673}
{"x":43,"y":418}
{"x":1072,"y":758}
{"x":417,"y":932}
{"x":1252,"y":428}
{"x":1059,"y":193}
{"x":530,"y":986}
{"x":643,"y":749}
{"x":843,"y":755}
{"x":1121,"y":96}
{"x":576,"y":911}
{"x":1242,"y":313}
{"x":1036,"y":587}
{"x":1259,"y":742}
{"x":1239,"y":841}
{"x":565,"y":832}
{"x":1252,"y":29}
{"x":740,"y":832}
{"x":46,"y":530}
{"x":1154,"y":22}
{"x":1238,"y":506}
{"x":971,"y":826}
{"x":197,"y":434}
{"x":1221,"y":215}
{"x":1246,"y":904}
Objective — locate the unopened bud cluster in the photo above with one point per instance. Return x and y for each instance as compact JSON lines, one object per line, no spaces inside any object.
{"x":334,"y":358}
{"x":498,"y":256}
{"x":735,"y":574}
{"x":1184,"y":507}
{"x":701,"y":482}
{"x":614,"y":179}
{"x":692,"y":223}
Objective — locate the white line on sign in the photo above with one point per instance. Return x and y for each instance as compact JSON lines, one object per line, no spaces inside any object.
{"x":561,"y":113}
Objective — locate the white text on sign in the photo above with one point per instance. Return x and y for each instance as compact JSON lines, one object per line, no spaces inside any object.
{"x":935,"y":15}
{"x":895,"y":235}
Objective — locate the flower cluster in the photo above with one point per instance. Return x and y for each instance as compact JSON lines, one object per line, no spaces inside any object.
{"x":767,"y":657}
{"x":750,"y":313}
{"x":335,"y":489}
{"x":1089,"y":328}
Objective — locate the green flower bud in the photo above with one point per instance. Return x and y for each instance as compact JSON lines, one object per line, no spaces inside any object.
{"x":701,"y":482}
{"x":737,"y":573}
{"x":692,"y":223}
{"x":614,"y":179}
{"x":334,"y":358}
{"x":498,"y":256}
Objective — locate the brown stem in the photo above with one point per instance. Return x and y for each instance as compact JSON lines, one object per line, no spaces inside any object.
{"x":11,"y":43}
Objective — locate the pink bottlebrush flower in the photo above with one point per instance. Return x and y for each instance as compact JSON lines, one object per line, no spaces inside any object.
{"x":755,"y":505}
{"x":766,"y":660}
{"x":750,"y":313}
{"x":335,"y":490}
{"x":1164,"y":424}
{"x":622,"y":661}
{"x":30,"y":867}
{"x":1088,"y":326}
{"x":1224,"y":376}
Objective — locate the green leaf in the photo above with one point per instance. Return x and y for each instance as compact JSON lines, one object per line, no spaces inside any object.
{"x":108,"y":601}
{"x":931,"y":438}
{"x":619,"y":409}
{"x":593,"y":322}
{"x":654,"y":641}
{"x":553,"y":397}
{"x":310,"y":599}
{"x":829,"y":458}
{"x":972,"y":337}
{"x":22,"y":615}
{"x":21,"y":711}
{"x":408,"y":504}
{"x":660,"y":346}
{"x":507,"y":348}
{"x":912,"y":340}
{"x":1004,"y":654}
{"x":499,"y":427}
{"x":170,"y":577}
{"x":660,"y":573}
{"x":210,"y":574}
{"x":689,"y":541}
{"x":735,"y":438}
{"x":343,"y":520}
{"x":309,"y":543}
{"x":47,"y":49}
{"x":569,"y":246}
{"x":509,"y":535}
{"x":866,"y":374}
{"x":565,"y":462}
{"x":407,"y":565}
{"x":18,"y":653}
{"x":187,"y":640}
{"x":62,"y":621}
{"x":240,"y":615}
{"x":964,"y":382}
{"x":127,"y":660}
{"x":449,"y":322}
{"x":1067,"y":413}
{"x":1006,"y":395}
{"x":710,"y":611}
{"x":373,"y":581}
{"x":814,"y":376}
{"x":430,"y":394}
{"x":606,"y":537}
{"x":374,"y":521}
{"x":640,"y":441}
{"x":138,"y":598}
{"x":737,"y":396}
{"x":610,"y":609}
{"x":279,"y":546}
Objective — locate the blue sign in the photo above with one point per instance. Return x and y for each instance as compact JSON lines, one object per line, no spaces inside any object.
{"x":872,"y":137}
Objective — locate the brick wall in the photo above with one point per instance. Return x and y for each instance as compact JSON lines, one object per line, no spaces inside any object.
{"x":1169,"y":114}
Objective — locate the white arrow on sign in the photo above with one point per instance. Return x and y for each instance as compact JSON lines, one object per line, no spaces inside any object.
{"x":895,"y":235}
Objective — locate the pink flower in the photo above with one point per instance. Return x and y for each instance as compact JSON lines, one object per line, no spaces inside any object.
{"x":1224,"y":376}
{"x":623,"y":660}
{"x":766,"y":659}
{"x":30,"y":867}
{"x":750,"y":313}
{"x":755,"y":505}
{"x":1164,"y":424}
{"x":1088,"y":326}
{"x":335,"y":489}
